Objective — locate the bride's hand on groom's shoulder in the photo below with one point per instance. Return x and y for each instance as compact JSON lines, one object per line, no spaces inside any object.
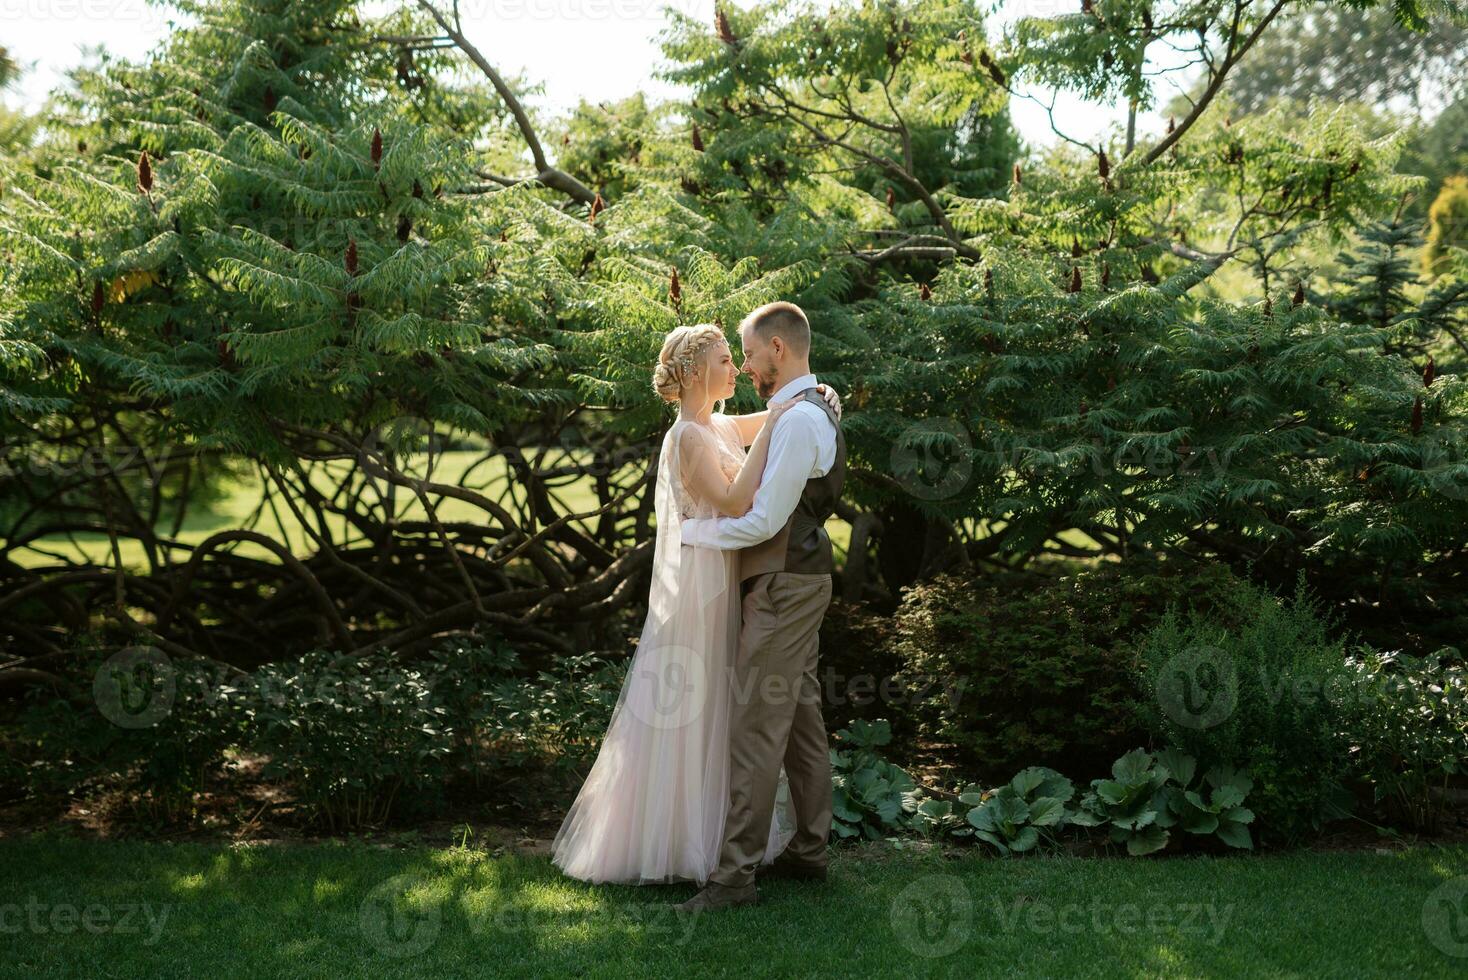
{"x":777,"y":409}
{"x":832,"y":399}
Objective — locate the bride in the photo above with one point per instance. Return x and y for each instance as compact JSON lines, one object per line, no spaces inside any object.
{"x":652,"y":809}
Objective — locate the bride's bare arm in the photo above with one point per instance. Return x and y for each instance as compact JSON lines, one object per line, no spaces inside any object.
{"x":749,"y":425}
{"x":706,"y":479}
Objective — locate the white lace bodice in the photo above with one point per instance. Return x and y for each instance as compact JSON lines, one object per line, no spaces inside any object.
{"x":725,"y":436}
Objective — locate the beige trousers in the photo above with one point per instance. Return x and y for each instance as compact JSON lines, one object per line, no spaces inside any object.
{"x":775,"y":717}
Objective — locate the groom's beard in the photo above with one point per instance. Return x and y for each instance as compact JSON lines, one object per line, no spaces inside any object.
{"x":766,"y":386}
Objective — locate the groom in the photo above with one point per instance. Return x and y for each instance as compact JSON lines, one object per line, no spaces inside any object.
{"x":785,"y":587}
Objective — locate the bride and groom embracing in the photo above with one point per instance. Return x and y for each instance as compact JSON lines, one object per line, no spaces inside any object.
{"x":715,"y":762}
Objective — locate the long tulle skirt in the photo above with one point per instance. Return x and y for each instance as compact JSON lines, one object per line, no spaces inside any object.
{"x":654,"y":806}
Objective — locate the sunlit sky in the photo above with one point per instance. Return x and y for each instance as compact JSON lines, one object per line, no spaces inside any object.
{"x":593,"y":49}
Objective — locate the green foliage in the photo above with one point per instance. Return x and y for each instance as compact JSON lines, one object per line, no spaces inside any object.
{"x":158,"y":730}
{"x":1014,"y":817}
{"x":357,"y":737}
{"x":352,"y":737}
{"x":1447,"y":221}
{"x":764,"y":100}
{"x":56,"y":749}
{"x":275,"y":266}
{"x":615,"y":148}
{"x":1193,"y":808}
{"x":870,"y":797}
{"x":181,"y":755}
{"x":1042,"y":669}
{"x":1408,"y":731}
{"x":1149,"y":795}
{"x":509,"y":720}
{"x":1145,"y":797}
{"x":1129,"y":803}
{"x":1266,"y":693}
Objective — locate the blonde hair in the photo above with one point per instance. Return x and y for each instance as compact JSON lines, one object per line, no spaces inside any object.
{"x":682,"y":351}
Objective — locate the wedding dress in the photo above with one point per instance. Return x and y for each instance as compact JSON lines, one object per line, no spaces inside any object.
{"x":653,"y":807}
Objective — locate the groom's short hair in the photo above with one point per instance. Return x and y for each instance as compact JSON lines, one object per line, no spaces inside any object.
{"x":784,"y":320}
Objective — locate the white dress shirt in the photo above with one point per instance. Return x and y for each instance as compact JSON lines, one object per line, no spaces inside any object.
{"x":802,"y":446}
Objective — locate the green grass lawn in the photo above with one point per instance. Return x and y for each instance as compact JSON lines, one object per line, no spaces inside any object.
{"x":86,"y":908}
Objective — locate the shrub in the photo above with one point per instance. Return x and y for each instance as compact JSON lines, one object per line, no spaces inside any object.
{"x":1264,"y":694}
{"x":507,"y":718}
{"x":1408,"y":731}
{"x":353,"y":737}
{"x":1044,"y":670}
{"x":139,"y":720}
{"x":858,"y":670}
{"x":1447,"y":225}
{"x":178,"y":755}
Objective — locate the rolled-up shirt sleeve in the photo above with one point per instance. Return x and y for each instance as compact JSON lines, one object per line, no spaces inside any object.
{"x":791,"y":461}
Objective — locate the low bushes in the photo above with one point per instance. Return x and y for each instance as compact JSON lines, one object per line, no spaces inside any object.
{"x":157,"y":725}
{"x":1267,"y":694}
{"x":1324,"y":724}
{"x":1260,"y":691}
{"x":1148,"y":803}
{"x":1407,"y":732}
{"x":352,"y":736}
{"x":1044,"y":670}
{"x":359,"y":740}
{"x":1246,"y":696}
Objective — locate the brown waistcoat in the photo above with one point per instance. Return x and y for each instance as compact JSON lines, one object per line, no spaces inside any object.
{"x":802,"y":545}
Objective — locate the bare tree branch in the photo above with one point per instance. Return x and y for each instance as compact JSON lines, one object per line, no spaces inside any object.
{"x":548,"y":175}
{"x":1232,"y":56}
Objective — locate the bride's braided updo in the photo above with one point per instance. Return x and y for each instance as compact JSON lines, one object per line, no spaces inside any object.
{"x":682,"y":351}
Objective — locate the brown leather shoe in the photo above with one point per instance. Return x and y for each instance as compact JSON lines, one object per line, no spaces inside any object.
{"x":717,"y":896}
{"x":785,"y":867}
